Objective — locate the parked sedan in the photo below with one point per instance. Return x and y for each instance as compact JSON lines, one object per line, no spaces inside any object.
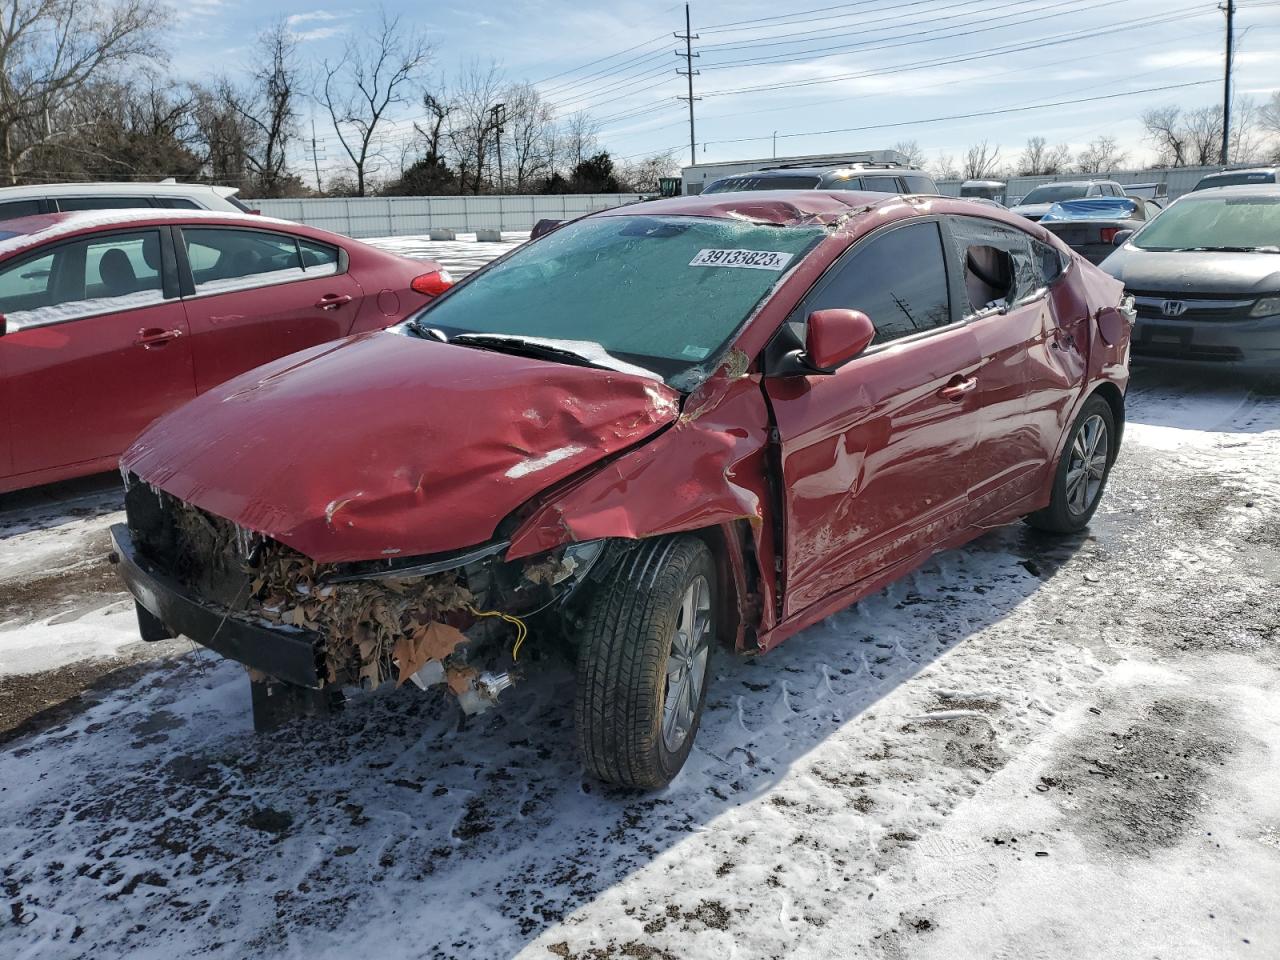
{"x":656,"y":428}
{"x":1090,"y":226}
{"x":1205,"y":276}
{"x":109,"y":319}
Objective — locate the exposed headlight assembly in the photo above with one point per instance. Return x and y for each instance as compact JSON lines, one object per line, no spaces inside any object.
{"x":1265,"y":307}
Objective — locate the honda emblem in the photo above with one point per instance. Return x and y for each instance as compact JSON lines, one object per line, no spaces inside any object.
{"x":1173,"y":308}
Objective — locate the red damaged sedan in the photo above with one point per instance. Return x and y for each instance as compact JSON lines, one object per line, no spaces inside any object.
{"x":656,"y":429}
{"x":110,"y":318}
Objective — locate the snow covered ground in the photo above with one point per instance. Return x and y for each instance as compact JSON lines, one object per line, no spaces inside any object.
{"x":1032,"y":748}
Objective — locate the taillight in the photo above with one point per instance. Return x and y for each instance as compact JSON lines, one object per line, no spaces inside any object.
{"x":432,"y":284}
{"x":1109,"y":234}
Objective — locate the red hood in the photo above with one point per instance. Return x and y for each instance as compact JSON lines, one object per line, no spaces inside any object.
{"x":386,"y":445}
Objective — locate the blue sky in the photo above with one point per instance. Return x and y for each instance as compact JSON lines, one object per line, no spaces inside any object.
{"x":865,"y":64}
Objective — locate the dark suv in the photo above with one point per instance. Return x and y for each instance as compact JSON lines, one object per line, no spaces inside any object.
{"x":871,"y":177}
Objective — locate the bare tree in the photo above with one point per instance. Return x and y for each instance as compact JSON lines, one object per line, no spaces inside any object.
{"x":270,"y":107}
{"x":229,"y":139}
{"x":1185,"y":138}
{"x":945,"y":168}
{"x":49,"y":51}
{"x":369,"y":80}
{"x":912,"y":151}
{"x":1040,"y":159}
{"x":981,"y":161}
{"x":530,"y":135}
{"x":1269,"y":122}
{"x":473,"y":123}
{"x":1102,"y":154}
{"x":644,"y":175}
{"x":579,"y":137}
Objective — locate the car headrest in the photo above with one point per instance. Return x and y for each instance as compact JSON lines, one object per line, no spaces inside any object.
{"x":117,"y":272}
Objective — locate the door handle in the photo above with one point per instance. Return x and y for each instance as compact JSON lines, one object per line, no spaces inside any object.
{"x":333,"y":301}
{"x":149,"y":337}
{"x":957,"y":388}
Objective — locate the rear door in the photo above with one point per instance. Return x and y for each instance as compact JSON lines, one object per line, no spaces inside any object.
{"x":1007,"y":307}
{"x":96,"y":348}
{"x":254,"y":295}
{"x":875,"y":456}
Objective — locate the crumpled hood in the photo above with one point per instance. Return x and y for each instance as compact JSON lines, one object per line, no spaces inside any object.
{"x":387,"y":445}
{"x":1198,"y":272}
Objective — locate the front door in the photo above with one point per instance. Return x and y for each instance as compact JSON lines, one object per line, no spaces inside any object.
{"x":258,"y":294}
{"x":96,"y":347}
{"x":875,"y":456}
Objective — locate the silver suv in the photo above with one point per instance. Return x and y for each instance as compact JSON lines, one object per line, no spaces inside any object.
{"x":55,"y":197}
{"x":1037,"y":203}
{"x":870,"y":177}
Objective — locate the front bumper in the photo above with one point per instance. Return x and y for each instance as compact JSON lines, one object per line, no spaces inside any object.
{"x":293,"y":655}
{"x":1209,"y":344}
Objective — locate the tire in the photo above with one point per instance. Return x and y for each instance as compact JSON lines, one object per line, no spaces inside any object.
{"x":642,"y":677}
{"x":1076,"y":497}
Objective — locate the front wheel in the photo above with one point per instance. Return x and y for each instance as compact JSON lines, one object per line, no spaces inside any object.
{"x":643,"y":665}
{"x":1082,"y":470}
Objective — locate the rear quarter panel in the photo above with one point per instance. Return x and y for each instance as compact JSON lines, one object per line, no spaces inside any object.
{"x":385,"y":279}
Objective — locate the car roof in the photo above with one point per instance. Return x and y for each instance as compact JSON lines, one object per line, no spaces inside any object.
{"x":21,"y":233}
{"x":1235,"y":190}
{"x":1238,"y":170}
{"x":111,"y":188}
{"x":768,"y":172}
{"x":804,"y":208}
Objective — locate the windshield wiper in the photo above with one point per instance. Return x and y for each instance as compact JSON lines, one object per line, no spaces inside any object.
{"x":557,"y":350}
{"x":427,"y":333}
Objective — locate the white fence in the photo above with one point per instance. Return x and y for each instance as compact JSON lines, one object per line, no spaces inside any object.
{"x":409,"y":216}
{"x":1178,"y":180}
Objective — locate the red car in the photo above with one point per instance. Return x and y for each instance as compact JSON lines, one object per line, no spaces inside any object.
{"x":110,"y":318}
{"x":693,"y":420}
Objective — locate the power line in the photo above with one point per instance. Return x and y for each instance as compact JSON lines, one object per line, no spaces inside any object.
{"x":736,"y":25}
{"x":971,"y":116}
{"x":661,"y":36}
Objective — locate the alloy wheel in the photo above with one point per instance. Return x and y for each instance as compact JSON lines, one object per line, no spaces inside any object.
{"x":1088,"y":465}
{"x":687,"y":663}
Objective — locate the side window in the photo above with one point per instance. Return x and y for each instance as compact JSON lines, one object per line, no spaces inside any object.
{"x":996,"y":262}
{"x":318,"y":259}
{"x":223,"y":260}
{"x":880,"y":184}
{"x":847,"y":183}
{"x":1049,"y":262}
{"x":83,"y":279}
{"x":19,"y":208}
{"x":177,"y":203}
{"x":919,"y":183}
{"x":102,"y":203}
{"x":899,"y":280}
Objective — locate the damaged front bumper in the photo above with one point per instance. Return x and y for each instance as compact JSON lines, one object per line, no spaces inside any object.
{"x":295,"y":656}
{"x":456,"y":620}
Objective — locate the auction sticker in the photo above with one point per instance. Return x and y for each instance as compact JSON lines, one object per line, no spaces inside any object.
{"x":747,"y":259}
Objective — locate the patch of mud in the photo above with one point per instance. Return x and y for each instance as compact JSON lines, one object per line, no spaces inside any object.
{"x":1138,"y":780}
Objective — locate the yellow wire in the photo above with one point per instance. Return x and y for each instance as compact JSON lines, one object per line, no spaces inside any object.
{"x":522,"y":629}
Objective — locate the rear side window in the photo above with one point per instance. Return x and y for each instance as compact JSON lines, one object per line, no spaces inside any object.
{"x":996,"y":262}
{"x":919,"y":183}
{"x":318,"y":259}
{"x":177,"y":203}
{"x":898,"y":279}
{"x":83,"y":279}
{"x":1048,"y":261}
{"x":736,"y":184}
{"x":102,"y":203}
{"x":223,"y":260}
{"x":881,"y":184}
{"x":19,"y":208}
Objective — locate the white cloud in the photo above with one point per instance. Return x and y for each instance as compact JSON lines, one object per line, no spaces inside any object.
{"x":294,"y":19}
{"x":319,"y":33}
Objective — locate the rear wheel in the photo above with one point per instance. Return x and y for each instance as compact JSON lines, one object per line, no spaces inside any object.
{"x":1082,"y":470}
{"x":643,"y":666}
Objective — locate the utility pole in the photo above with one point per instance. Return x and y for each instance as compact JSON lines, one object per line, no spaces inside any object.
{"x":1230,"y":9}
{"x":315,"y":157}
{"x":499,"y":111}
{"x":688,"y":37}
{"x":775,"y":144}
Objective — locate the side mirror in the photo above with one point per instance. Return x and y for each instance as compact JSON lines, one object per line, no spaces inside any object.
{"x":834,"y":337}
{"x":1121,"y":236}
{"x":4,"y":325}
